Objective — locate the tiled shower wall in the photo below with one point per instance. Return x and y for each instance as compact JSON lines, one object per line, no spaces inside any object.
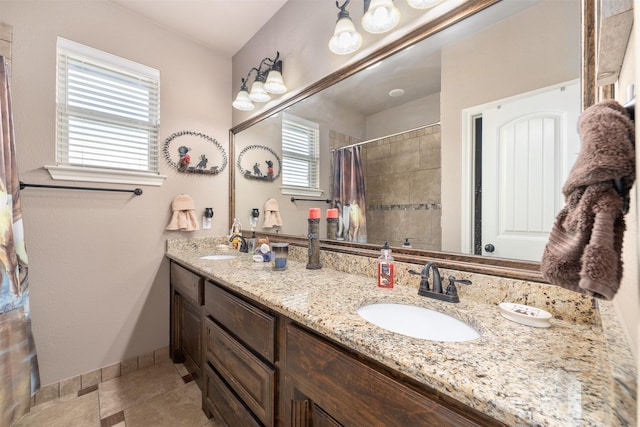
{"x":402,"y":184}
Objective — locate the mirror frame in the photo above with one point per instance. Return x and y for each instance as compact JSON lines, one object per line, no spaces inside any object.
{"x":513,"y":269}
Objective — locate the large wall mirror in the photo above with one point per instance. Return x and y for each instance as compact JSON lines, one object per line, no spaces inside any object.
{"x":423,"y":113}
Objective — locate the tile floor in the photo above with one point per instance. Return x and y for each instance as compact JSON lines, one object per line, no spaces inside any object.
{"x":158,"y":396}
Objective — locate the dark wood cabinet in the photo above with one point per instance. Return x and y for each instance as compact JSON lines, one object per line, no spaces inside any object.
{"x":257,"y":367}
{"x":187,"y":298}
{"x":327,"y":386}
{"x":239,"y":354}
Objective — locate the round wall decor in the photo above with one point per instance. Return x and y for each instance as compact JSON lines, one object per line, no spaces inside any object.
{"x":194,"y":153}
{"x":252,"y":155}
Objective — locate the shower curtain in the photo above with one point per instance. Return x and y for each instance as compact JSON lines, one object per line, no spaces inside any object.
{"x":18,"y":361}
{"x":348,"y":194}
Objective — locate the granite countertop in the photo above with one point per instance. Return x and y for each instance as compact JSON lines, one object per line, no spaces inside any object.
{"x":567,"y":375}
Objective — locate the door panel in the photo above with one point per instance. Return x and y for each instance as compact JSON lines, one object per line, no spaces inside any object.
{"x":529,"y":145}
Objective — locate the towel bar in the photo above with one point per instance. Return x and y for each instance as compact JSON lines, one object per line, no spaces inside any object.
{"x":136,"y":191}
{"x":295,"y":199}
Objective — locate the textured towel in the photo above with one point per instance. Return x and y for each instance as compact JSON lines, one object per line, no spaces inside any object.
{"x":585,"y":246}
{"x":184,"y":214}
{"x":272,"y":216}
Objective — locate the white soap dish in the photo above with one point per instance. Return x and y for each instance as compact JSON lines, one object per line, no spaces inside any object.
{"x":526,"y":315}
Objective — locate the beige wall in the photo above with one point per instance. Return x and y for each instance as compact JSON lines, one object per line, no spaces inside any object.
{"x":411,"y":115}
{"x":99,"y":280}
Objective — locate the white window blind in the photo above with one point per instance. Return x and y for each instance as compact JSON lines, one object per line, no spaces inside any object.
{"x":107,"y":111}
{"x":300,"y":140}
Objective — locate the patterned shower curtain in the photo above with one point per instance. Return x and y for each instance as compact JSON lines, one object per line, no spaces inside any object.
{"x":348,"y":194}
{"x":19,"y":377}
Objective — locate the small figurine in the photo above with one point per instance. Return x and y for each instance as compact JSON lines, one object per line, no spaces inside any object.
{"x":203,"y":162}
{"x":185,"y":158}
{"x":256,"y":169}
{"x":270,"y":168}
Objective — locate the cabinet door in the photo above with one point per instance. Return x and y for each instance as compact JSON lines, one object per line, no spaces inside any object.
{"x":190,"y":285}
{"x":191,"y":333}
{"x":305,"y":413}
{"x":343,"y":390}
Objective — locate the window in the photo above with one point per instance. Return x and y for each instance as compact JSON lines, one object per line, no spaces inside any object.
{"x":300,"y":140}
{"x":107,"y":117}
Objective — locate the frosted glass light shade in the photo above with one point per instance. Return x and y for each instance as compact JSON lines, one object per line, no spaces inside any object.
{"x":423,"y":4}
{"x":275,"y":83}
{"x":381,"y":16}
{"x":258,"y":93}
{"x":242,"y":101}
{"x":345,"y":39}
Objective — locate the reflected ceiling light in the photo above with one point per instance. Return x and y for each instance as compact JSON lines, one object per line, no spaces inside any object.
{"x":268,"y":80}
{"x":423,"y":4}
{"x":345,"y":39}
{"x":380,"y":16}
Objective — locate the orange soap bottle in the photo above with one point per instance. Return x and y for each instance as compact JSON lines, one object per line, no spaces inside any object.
{"x":385,"y":268}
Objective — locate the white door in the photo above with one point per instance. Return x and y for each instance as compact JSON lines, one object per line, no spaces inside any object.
{"x":528,"y":147}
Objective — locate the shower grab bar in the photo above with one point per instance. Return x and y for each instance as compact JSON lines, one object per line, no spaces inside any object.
{"x":136,"y":191}
{"x":295,"y":199}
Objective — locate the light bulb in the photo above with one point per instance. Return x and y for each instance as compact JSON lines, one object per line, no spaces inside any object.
{"x":345,"y":38}
{"x":381,"y":16}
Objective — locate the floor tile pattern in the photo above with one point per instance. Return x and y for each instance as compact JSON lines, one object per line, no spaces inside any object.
{"x":162,"y":395}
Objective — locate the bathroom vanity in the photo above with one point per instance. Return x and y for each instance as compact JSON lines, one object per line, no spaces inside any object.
{"x":288,"y":348}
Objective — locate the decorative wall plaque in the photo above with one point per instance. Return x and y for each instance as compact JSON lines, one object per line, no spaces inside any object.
{"x":195,"y":152}
{"x":262,"y":164}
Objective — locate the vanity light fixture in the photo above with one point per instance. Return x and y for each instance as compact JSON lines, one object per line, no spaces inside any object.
{"x":242,"y":101}
{"x":346,"y":39}
{"x":268,"y":80}
{"x":380,"y":16}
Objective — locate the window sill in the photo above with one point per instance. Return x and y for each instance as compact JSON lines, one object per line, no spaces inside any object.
{"x":74,"y":173}
{"x":299,"y":191}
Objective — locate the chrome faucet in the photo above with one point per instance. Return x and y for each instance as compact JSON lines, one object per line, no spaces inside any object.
{"x":244,"y":246}
{"x":449,"y":295}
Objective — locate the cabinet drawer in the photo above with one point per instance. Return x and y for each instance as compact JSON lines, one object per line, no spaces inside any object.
{"x":187,"y":283}
{"x":355,"y":393}
{"x":225,"y":404}
{"x":249,"y":324}
{"x":251,"y":379}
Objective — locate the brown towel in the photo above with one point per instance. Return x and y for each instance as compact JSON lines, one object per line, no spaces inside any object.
{"x":585,"y":246}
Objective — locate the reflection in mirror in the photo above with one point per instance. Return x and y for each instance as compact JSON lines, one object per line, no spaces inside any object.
{"x":425,"y":121}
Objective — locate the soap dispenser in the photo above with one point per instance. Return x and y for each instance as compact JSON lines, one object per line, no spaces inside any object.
{"x":385,"y":268}
{"x":407,"y":243}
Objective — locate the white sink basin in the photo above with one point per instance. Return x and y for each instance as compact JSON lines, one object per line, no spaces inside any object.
{"x":418,"y":322}
{"x":217,"y":257}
